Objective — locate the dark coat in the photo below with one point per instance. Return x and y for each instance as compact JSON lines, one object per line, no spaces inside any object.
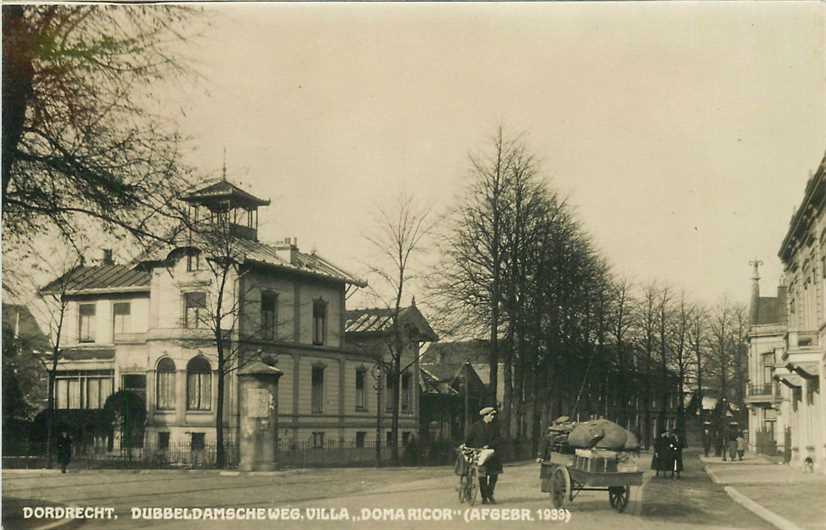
{"x":64,"y":449}
{"x":663,"y":454}
{"x":486,"y":434}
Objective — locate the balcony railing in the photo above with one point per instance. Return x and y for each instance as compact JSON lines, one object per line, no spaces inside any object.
{"x":762,"y":389}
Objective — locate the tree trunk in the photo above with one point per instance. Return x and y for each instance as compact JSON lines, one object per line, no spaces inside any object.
{"x":18,"y":76}
{"x":219,"y":412}
{"x":394,"y":428}
{"x":50,"y":420}
{"x":507,"y":397}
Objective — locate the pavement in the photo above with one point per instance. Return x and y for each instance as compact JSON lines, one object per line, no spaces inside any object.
{"x":371,"y":499}
{"x":783,"y":495}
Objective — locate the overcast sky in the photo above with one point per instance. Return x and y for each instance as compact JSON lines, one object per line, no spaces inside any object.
{"x":683,"y":133}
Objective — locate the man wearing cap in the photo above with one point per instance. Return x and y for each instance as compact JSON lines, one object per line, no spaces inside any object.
{"x":484,"y":434}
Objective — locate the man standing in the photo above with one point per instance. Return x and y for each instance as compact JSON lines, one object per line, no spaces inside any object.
{"x":64,"y":450}
{"x":706,"y":439}
{"x":484,"y":434}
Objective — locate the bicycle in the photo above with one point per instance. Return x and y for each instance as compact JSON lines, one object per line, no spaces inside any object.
{"x":469,"y":480}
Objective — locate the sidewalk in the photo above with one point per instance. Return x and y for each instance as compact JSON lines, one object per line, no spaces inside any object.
{"x":786,"y":496}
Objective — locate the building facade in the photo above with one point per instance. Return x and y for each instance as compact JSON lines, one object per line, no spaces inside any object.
{"x":150,"y":328}
{"x":793,"y":408}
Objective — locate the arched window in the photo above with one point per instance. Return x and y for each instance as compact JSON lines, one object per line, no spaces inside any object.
{"x":165,"y":384}
{"x":198,"y":384}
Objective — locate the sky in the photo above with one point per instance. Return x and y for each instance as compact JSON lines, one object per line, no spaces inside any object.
{"x":682,"y":133}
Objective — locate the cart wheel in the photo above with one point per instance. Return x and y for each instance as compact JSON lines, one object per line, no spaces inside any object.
{"x":472,"y":486}
{"x":618,"y":497}
{"x":560,"y":487}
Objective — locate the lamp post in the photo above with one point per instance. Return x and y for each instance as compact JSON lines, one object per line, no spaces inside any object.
{"x":378,"y":371}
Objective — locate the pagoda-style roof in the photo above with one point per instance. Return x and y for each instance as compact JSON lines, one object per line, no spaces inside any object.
{"x":222,"y":189}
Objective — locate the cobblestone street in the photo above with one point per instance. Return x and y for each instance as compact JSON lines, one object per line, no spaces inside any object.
{"x":692,"y":502}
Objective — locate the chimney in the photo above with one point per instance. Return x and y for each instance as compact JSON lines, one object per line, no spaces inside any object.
{"x":287,"y":249}
{"x":107,"y":257}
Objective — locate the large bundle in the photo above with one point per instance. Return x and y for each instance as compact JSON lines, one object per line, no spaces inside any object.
{"x":602,"y":434}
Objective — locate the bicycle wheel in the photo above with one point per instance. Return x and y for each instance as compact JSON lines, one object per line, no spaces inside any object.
{"x":472,"y":485}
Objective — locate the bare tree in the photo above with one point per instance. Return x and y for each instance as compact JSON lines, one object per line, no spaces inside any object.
{"x":471,"y":275}
{"x":397,"y":237}
{"x":720,"y":360}
{"x":681,"y":355}
{"x":663,"y":324}
{"x":55,"y":296}
{"x":697,"y":341}
{"x":80,"y":145}
{"x":646,"y":343}
{"x":621,"y":323}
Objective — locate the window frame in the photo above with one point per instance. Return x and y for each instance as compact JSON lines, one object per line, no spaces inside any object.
{"x":128,"y":321}
{"x":361,"y":439}
{"x":406,"y":393}
{"x":201,"y":438}
{"x":269,"y":319}
{"x":162,"y":370}
{"x":318,"y":439}
{"x":198,"y":320}
{"x":317,"y":407}
{"x":202,"y":375}
{"x":320,"y":314}
{"x":91,"y":319}
{"x":66,"y":379}
{"x":361,"y":394}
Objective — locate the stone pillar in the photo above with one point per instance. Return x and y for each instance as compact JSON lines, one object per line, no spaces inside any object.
{"x":258,"y":436}
{"x":180,"y":397}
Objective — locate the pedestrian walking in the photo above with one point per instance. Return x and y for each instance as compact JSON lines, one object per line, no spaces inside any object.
{"x":663,"y":456}
{"x":741,"y":446}
{"x":676,"y":450}
{"x":64,"y":450}
{"x":732,"y":444}
{"x":706,"y":441}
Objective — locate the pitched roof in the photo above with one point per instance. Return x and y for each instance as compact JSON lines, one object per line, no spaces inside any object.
{"x":430,"y":384}
{"x":378,"y":320}
{"x":456,"y":353}
{"x":111,"y":277}
{"x":260,"y":253}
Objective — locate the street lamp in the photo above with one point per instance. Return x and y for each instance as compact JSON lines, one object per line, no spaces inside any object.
{"x":378,"y":371}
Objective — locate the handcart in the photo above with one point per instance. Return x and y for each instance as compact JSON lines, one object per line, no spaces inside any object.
{"x":566,"y":474}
